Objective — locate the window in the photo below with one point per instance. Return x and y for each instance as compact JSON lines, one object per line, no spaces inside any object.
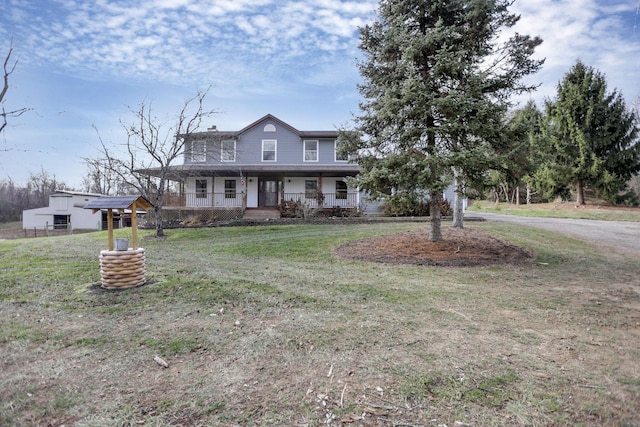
{"x":269,"y":128}
{"x":201,"y":188}
{"x":228,"y":151}
{"x":199,"y":151}
{"x":341,"y":190}
{"x":61,"y":222}
{"x":229,"y":188}
{"x":269,"y":150}
{"x":310,"y":151}
{"x":310,"y":188}
{"x":340,"y":157}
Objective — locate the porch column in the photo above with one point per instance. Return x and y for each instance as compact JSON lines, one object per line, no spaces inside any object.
{"x":245,"y":190}
{"x":281,"y":189}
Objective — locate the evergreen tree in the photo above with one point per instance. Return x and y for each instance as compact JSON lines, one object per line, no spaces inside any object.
{"x":437,"y":79}
{"x":522,"y":160}
{"x":591,"y":135}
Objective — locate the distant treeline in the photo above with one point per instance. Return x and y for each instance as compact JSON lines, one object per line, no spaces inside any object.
{"x":15,"y":198}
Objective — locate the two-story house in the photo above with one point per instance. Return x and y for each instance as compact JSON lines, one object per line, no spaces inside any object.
{"x":261,"y":166}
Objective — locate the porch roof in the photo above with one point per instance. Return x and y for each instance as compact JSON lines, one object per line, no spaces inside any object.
{"x":184,"y":171}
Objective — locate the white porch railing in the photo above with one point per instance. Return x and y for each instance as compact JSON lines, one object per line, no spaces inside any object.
{"x":326,"y":200}
{"x":210,"y":200}
{"x":224,"y":200}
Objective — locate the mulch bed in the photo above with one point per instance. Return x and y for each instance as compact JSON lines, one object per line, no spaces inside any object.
{"x":466,"y":247}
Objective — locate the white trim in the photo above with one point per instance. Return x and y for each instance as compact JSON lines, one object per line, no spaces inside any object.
{"x":202,"y":156}
{"x":222,"y":159}
{"x":304,"y":150}
{"x":335,"y":153}
{"x":275,"y":150}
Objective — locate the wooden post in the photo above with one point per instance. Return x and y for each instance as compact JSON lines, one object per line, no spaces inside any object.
{"x":245,"y":190}
{"x":134,"y":227}
{"x":110,"y":227}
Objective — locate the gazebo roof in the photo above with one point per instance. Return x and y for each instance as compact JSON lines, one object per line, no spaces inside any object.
{"x":118,"y":202}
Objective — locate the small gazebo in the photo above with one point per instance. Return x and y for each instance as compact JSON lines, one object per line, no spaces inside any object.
{"x":123,"y":268}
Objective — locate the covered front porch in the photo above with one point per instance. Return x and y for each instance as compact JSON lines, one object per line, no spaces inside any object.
{"x":262,"y":191}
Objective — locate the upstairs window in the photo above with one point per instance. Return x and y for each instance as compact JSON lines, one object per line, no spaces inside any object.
{"x":341,"y":190}
{"x":199,"y":151}
{"x":340,"y":157}
{"x":310,"y":151}
{"x":269,"y":147}
{"x":230,"y":189}
{"x":228,"y":153}
{"x":201,"y":188}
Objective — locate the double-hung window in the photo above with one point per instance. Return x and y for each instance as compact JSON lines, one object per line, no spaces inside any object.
{"x":230,"y":189}
{"x":228,"y":153}
{"x":310,"y":151}
{"x":199,"y":151}
{"x":269,"y":150}
{"x":341,"y":190}
{"x":201,"y":188}
{"x":340,"y":157}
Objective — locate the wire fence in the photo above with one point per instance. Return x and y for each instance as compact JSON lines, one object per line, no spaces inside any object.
{"x":43,"y":231}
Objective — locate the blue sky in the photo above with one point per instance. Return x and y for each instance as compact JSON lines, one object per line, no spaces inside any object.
{"x":83,"y":63}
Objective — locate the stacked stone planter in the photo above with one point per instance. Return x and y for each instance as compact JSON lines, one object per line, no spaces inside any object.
{"x":122,"y":269}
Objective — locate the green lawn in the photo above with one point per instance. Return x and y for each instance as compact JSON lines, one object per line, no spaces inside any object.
{"x":592,"y":210}
{"x":265,"y":326}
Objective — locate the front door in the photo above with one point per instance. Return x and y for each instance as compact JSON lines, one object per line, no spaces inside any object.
{"x":268,"y":193}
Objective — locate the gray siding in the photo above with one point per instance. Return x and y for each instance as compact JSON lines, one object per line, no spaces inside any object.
{"x":290,"y":147}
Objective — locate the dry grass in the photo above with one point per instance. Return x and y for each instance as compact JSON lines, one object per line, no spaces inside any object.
{"x":593,"y":209}
{"x":265,"y":326}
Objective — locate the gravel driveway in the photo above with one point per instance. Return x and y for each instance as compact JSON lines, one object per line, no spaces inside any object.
{"x":619,"y":234}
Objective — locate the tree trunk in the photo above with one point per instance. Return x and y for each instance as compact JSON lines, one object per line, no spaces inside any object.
{"x":458,"y":214}
{"x":528,"y":195}
{"x":580,"y":193}
{"x":436,"y":217}
{"x":159,"y":229}
{"x":517,"y":195}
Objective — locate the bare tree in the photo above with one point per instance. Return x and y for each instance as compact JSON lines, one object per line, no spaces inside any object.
{"x":101,"y":179}
{"x":152,"y":148}
{"x":8,"y":69}
{"x":41,"y":185}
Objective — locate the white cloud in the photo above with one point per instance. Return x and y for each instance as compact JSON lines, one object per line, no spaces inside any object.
{"x":195,"y":40}
{"x":596,"y":32}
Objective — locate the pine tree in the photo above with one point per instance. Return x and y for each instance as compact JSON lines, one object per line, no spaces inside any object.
{"x":437,"y":79}
{"x":522,"y":159}
{"x":592,"y":136}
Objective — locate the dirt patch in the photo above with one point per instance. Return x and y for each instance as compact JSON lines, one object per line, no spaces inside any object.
{"x":467,"y":247}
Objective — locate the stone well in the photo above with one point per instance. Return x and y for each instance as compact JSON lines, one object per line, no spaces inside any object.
{"x":123,"y":269}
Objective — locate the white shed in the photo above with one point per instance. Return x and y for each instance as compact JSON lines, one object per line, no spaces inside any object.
{"x":65,"y":211}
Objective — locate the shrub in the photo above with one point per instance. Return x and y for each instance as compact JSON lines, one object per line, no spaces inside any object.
{"x":406,"y":205}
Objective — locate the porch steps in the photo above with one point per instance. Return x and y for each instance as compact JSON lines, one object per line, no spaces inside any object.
{"x":261,"y":213}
